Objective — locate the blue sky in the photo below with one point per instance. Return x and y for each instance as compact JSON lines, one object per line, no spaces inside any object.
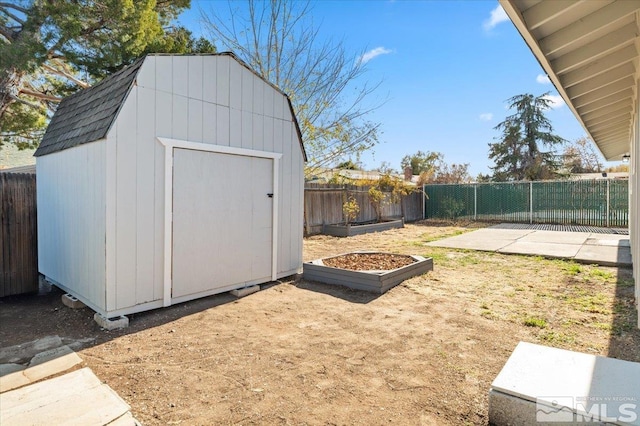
{"x":447,"y":68}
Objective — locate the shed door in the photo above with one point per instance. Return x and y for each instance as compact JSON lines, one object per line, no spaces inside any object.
{"x":222,"y":221}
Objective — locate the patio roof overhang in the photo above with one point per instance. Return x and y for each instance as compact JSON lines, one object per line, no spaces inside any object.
{"x":591,"y":52}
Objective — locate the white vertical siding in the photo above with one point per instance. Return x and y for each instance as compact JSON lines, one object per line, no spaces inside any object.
{"x":634,"y":199}
{"x":126,"y":202}
{"x":109,"y":215}
{"x":71,"y":190}
{"x":145,"y":180}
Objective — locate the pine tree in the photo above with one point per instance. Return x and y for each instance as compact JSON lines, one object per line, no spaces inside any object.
{"x":518,"y":154}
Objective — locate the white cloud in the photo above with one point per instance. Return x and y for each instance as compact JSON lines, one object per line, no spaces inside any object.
{"x":367,"y":56}
{"x":486,"y":116}
{"x":498,"y":15}
{"x":543,"y":79}
{"x":556,"y":101}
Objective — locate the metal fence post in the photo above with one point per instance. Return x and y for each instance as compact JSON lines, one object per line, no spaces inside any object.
{"x":475,"y":201}
{"x":608,"y":202}
{"x":424,"y":198}
{"x":530,"y":202}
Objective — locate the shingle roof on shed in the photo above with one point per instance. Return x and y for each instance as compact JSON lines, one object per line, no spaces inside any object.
{"x":87,"y":115}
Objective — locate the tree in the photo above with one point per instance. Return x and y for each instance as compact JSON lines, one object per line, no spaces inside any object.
{"x":518,"y":155}
{"x":582,"y":157}
{"x":280,"y":42}
{"x":50,"y":49}
{"x":421,"y":161}
{"x":349,"y":165}
{"x":452,"y":173}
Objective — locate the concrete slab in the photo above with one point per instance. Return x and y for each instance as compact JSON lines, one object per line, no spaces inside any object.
{"x":561,"y":379}
{"x":77,"y":398}
{"x":608,"y":240}
{"x":10,"y":368}
{"x":604,"y":255}
{"x":541,"y":249}
{"x":43,"y":365}
{"x":502,"y":234}
{"x":472,"y":243}
{"x":25,"y":351}
{"x":556,"y":237}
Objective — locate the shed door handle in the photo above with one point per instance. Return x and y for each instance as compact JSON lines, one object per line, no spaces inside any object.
{"x":270,"y":195}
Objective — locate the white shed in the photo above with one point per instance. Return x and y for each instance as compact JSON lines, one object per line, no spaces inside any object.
{"x":175,"y":178}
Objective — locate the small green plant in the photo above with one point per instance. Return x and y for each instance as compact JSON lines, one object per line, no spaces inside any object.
{"x":350,"y":209}
{"x":376,"y":196}
{"x":535,"y":322}
{"x":451,"y":208}
{"x":556,"y":337}
{"x":599,"y":273}
{"x":573,"y":269}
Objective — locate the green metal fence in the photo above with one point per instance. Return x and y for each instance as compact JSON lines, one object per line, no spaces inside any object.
{"x":598,"y":202}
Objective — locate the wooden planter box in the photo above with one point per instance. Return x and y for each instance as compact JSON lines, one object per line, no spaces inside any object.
{"x":373,"y":281}
{"x":349,"y":230}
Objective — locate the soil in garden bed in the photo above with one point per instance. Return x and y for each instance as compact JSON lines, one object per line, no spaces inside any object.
{"x":369,"y":261}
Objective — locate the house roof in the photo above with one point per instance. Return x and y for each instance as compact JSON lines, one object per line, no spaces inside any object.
{"x":591,"y":52}
{"x":88,"y":114}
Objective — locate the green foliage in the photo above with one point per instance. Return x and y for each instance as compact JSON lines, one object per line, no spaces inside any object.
{"x":451,"y":207}
{"x":50,"y":49}
{"x":535,"y":322}
{"x":348,"y":165}
{"x":421,"y":161}
{"x":518,"y":153}
{"x":350,"y":209}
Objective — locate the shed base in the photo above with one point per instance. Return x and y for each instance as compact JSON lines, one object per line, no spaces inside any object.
{"x":111,"y":323}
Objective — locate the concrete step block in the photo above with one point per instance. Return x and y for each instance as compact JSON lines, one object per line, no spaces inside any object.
{"x":111,"y":323}
{"x":72,"y":301}
{"x":242,"y":292}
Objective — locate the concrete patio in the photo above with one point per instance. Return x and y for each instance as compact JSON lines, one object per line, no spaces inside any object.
{"x":606,"y":249}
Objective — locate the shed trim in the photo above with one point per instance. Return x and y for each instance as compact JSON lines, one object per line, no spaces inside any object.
{"x":170,"y":144}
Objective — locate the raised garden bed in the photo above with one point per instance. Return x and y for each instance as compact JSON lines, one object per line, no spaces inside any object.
{"x":369,"y":271}
{"x":349,"y":230}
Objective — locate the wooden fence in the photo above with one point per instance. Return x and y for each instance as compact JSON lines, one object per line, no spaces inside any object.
{"x":323,"y":205}
{"x":18,"y":234}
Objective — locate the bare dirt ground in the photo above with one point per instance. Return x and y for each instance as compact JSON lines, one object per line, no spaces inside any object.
{"x":299,"y":352}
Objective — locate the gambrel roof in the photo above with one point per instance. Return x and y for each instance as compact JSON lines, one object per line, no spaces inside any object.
{"x":87,"y":116}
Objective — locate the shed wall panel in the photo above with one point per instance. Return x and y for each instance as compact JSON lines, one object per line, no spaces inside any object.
{"x":194,"y":129}
{"x":147,"y":75}
{"x":180,"y":79}
{"x":235,"y":85}
{"x":111,"y":222}
{"x":180,"y":117}
{"x":209,"y":83}
{"x":71,"y":219}
{"x":247,"y":90}
{"x":195,"y":83}
{"x":164,"y":73}
{"x":209,"y":118}
{"x":222,"y":125}
{"x":126,"y":203}
{"x":145,"y":180}
{"x":235,"y":128}
{"x":222,"y":81}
